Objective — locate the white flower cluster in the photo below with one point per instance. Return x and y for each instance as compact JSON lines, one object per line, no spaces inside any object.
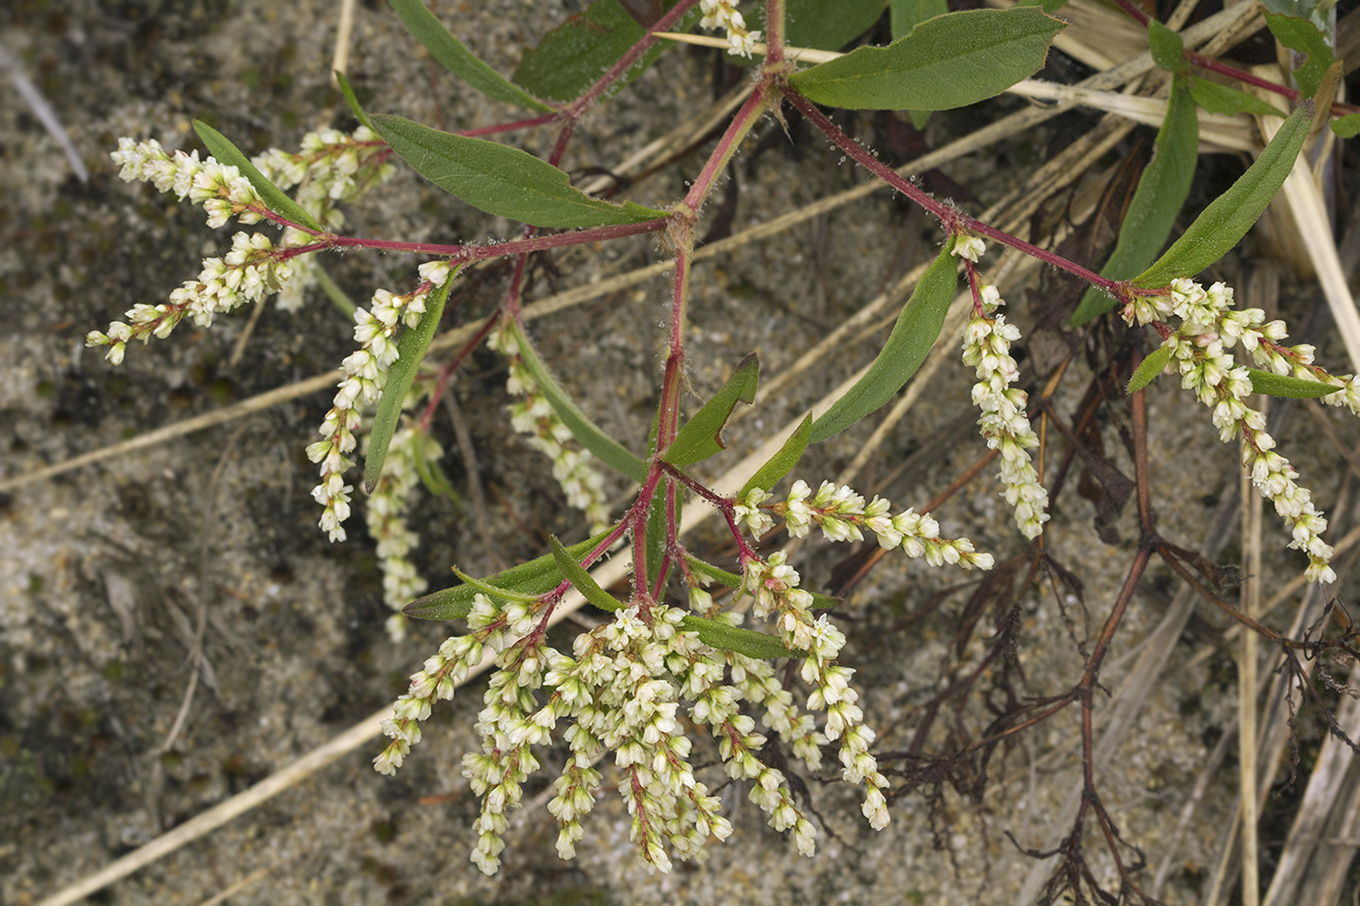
{"x":622,"y":690}
{"x":365,"y":373}
{"x":222,"y":190}
{"x":1209,"y":328}
{"x":252,"y":268}
{"x":575,"y":470}
{"x":1004,"y":423}
{"x":330,"y":168}
{"x":385,"y":512}
{"x":843,"y":516}
{"x":441,"y":675}
{"x":723,"y":14}
{"x":774,"y":585}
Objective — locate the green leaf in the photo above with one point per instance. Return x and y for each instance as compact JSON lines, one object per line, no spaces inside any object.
{"x":352,"y":99}
{"x":1168,"y":50}
{"x":1161,"y":193}
{"x":1289,"y":387}
{"x":701,"y":436}
{"x":945,"y":62}
{"x":781,"y":463}
{"x":655,"y":540}
{"x":1217,"y":98}
{"x":585,"y":583}
{"x":1347,"y":126}
{"x":502,"y":180}
{"x":608,"y":450}
{"x":915,"y":332}
{"x":494,"y":591}
{"x":220,"y":147}
{"x":573,"y":56}
{"x":907,"y":14}
{"x":1227,"y":219}
{"x":532,"y":579}
{"x":454,"y":56}
{"x":1151,"y":366}
{"x":753,"y":644}
{"x":1301,"y":35}
{"x":410,"y":353}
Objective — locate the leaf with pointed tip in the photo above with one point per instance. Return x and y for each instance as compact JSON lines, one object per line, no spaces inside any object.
{"x":532,"y":578}
{"x":1161,"y":193}
{"x":945,"y":62}
{"x":782,"y":462}
{"x":278,"y":201}
{"x":701,"y":436}
{"x":917,"y":328}
{"x":1217,"y":98}
{"x":1150,"y":367}
{"x":1289,"y":387}
{"x":609,"y":451}
{"x":749,"y":642}
{"x":1299,"y":34}
{"x":501,"y":180}
{"x":410,"y":353}
{"x":454,"y":56}
{"x":584,"y":582}
{"x":1226,"y":220}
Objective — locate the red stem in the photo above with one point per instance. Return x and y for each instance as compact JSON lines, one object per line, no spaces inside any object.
{"x":582,"y":105}
{"x":952,"y":219}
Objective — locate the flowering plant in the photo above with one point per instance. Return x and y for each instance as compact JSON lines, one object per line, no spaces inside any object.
{"x":672,"y":667}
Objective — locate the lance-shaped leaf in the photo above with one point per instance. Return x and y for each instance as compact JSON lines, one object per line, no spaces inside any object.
{"x":502,"y":180}
{"x":278,"y":201}
{"x":733,"y":638}
{"x":915,"y":332}
{"x":1217,"y":98}
{"x":573,"y":56}
{"x":608,"y":450}
{"x":585,"y":583}
{"x":1299,"y":34}
{"x":1289,"y":387}
{"x":945,"y":62}
{"x":528,"y":579}
{"x":701,"y":436}
{"x":1150,"y":367}
{"x":1227,"y":219}
{"x":782,"y":462}
{"x":454,"y":56}
{"x":1162,"y":190}
{"x":410,"y":353}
